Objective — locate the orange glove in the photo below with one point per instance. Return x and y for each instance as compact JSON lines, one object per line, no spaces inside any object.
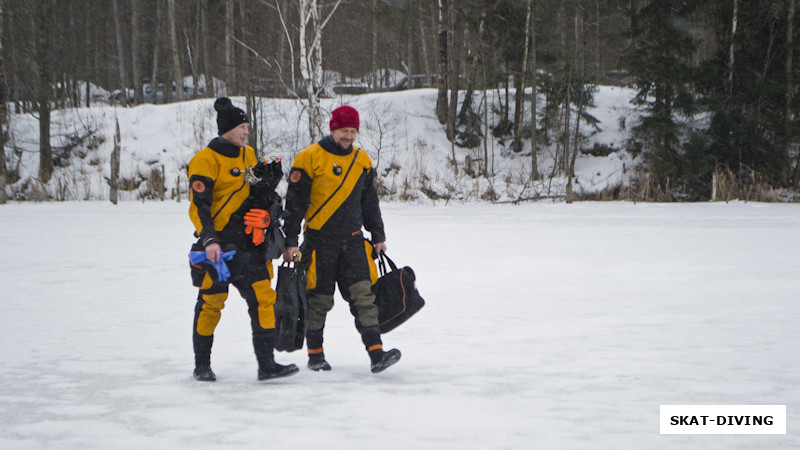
{"x":256,"y":220}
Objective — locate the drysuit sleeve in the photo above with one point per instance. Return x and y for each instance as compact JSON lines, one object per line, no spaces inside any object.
{"x":298,"y":199}
{"x":371,"y":210}
{"x":202,"y":189}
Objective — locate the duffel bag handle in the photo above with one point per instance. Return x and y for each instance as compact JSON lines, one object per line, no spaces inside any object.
{"x":382,"y":259}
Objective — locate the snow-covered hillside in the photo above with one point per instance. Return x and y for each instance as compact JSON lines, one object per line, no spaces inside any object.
{"x":398,"y":129}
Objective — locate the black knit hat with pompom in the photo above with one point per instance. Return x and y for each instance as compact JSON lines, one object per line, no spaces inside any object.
{"x":228,"y":116}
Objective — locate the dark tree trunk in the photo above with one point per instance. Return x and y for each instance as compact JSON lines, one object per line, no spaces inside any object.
{"x":136,"y":65}
{"x":3,"y":113}
{"x":156,"y":53}
{"x":123,"y":82}
{"x":206,"y":60}
{"x":441,"y":100}
{"x":176,"y":56}
{"x":45,"y":11}
{"x":458,"y":40}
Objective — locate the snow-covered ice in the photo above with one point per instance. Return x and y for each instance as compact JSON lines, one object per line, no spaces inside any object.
{"x":546,"y":326}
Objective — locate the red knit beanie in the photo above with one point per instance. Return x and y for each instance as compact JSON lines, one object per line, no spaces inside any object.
{"x":344,"y":117}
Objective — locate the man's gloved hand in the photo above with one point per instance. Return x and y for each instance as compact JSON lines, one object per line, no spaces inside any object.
{"x":265,"y":176}
{"x":223,"y":273}
{"x":256,"y":220}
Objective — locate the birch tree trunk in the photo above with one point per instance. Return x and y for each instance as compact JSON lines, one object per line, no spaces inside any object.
{"x":135,"y":42}
{"x":309,"y":18}
{"x":120,"y":56}
{"x":732,"y":48}
{"x":441,"y":99}
{"x":423,"y":40}
{"x":176,"y":57}
{"x":311,"y":26}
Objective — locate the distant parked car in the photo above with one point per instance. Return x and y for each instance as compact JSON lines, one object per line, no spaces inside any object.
{"x":115,"y":97}
{"x":417,"y":82}
{"x":351,"y":89}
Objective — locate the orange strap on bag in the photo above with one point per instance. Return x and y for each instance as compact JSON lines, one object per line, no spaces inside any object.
{"x":256,"y":220}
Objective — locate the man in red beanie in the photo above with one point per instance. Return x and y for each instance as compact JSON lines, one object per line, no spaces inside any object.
{"x":332,"y":188}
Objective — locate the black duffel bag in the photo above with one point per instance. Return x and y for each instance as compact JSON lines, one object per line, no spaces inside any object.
{"x":396,"y":294}
{"x":291,"y":308}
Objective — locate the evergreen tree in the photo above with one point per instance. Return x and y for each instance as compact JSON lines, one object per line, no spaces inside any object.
{"x":660,"y":50}
{"x":748,"y":128}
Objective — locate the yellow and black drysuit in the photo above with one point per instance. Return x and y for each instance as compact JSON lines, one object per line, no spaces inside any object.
{"x":220,"y":197}
{"x":333,"y":190}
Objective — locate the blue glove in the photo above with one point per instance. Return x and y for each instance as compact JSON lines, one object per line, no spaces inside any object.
{"x":222,"y":269}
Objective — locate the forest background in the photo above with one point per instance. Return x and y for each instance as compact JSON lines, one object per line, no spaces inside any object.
{"x":714,"y":82}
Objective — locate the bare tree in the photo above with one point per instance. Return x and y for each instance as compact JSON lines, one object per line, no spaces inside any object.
{"x":176,"y":57}
{"x":193,"y":50}
{"x":455,"y":69}
{"x":373,"y":74}
{"x":156,"y":51}
{"x":3,"y":114}
{"x":206,"y":59}
{"x":136,"y":63}
{"x":243,"y":62}
{"x":790,"y":86}
{"x":516,"y":145}
{"x":441,"y":100}
{"x":280,"y":8}
{"x":229,"y":72}
{"x":121,"y":56}
{"x":732,"y":50}
{"x":422,"y":38}
{"x":44,"y":15}
{"x":311,"y":26}
{"x":534,"y":85}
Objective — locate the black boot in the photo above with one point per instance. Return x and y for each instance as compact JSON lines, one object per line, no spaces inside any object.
{"x":316,"y":358}
{"x":316,"y":362}
{"x":381,"y":360}
{"x":202,"y":358}
{"x":204,"y":373}
{"x":267,"y":367}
